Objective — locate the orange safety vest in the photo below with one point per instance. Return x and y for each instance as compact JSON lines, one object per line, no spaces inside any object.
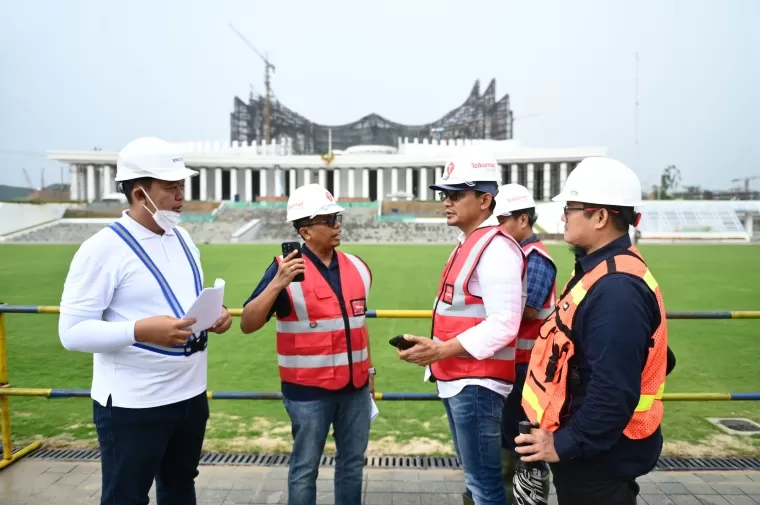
{"x":528,"y":333}
{"x":545,"y":394}
{"x":323,"y":342}
{"x":457,"y":310}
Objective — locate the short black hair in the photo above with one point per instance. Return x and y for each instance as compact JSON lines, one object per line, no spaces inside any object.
{"x":530,"y":212}
{"x":492,"y":206}
{"x":621,"y":217}
{"x":126,"y":187}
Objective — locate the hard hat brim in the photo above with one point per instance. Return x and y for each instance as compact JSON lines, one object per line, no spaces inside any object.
{"x":485,"y":187}
{"x":332,"y":208}
{"x":564,"y":197}
{"x":178,"y":174}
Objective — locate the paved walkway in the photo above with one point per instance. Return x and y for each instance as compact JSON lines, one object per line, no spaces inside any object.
{"x":37,"y":482}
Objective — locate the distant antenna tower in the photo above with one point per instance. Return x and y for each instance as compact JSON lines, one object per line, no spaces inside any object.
{"x":636,"y":115}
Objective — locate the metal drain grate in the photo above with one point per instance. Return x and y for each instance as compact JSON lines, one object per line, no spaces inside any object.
{"x":665,"y":463}
{"x":736,"y":426}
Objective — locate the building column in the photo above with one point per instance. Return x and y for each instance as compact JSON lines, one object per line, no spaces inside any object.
{"x":293,"y":184}
{"x":336,"y":182}
{"x":203,"y":184}
{"x":91,"y":183}
{"x":351,"y":183}
{"x":562,"y":175}
{"x":233,"y":183}
{"x":322,"y":177}
{"x":749,"y":224}
{"x":107,"y":180}
{"x":423,"y":183}
{"x":278,"y":185}
{"x":514,"y":174}
{"x":410,"y":181}
{"x":248,"y":185}
{"x":218,"y":184}
{"x":188,"y":192}
{"x":365,"y":182}
{"x":380,"y":189}
{"x":306,"y":176}
{"x":394,"y":180}
{"x":262,"y":182}
{"x":73,"y":182}
{"x":530,"y":183}
{"x":547,"y":181}
{"x":438,"y":174}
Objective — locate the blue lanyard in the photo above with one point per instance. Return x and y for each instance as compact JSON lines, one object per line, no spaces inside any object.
{"x":171,"y":298}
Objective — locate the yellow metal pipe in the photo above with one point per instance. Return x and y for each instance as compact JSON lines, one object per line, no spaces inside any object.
{"x":5,"y":392}
{"x":698,"y":397}
{"x":404,"y":314}
{"x":19,"y":454}
{"x":5,"y":405}
{"x":236,"y":312}
{"x":48,"y":309}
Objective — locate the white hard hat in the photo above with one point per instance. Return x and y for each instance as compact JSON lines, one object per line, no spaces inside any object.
{"x":513,"y":197}
{"x":309,"y":201}
{"x":602,"y":181}
{"x":151,"y":157}
{"x":477,"y":171}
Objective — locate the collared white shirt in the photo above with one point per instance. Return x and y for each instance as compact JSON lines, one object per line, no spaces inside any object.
{"x":498,"y":280}
{"x":107,"y":290}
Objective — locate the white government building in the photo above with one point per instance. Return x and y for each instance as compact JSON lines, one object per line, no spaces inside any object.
{"x":235,"y":171}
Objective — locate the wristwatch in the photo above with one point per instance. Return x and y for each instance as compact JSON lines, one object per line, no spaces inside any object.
{"x":372,"y":371}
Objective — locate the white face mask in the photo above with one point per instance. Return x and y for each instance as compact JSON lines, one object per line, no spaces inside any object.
{"x":166,"y":219}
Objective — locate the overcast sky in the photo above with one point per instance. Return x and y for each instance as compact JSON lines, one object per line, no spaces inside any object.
{"x":77,"y":73}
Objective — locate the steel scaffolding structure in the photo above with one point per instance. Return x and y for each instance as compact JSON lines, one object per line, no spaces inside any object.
{"x":481,"y":116}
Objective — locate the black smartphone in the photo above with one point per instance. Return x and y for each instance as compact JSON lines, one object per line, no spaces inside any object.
{"x":400,"y":342}
{"x":289,"y":247}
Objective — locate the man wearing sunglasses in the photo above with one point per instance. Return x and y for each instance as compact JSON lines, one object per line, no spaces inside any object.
{"x":322,"y":346}
{"x":476,"y":318}
{"x":597,"y":370}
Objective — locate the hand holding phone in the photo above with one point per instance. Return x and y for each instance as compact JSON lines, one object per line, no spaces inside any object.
{"x":292,"y":268}
{"x":401,"y":343}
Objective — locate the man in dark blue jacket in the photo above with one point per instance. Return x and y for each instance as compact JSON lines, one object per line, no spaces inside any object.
{"x":613,"y":329}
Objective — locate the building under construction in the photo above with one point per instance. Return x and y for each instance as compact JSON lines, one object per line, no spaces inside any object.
{"x":481,"y":116}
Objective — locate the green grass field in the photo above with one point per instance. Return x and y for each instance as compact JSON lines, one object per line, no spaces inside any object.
{"x":713,"y":356}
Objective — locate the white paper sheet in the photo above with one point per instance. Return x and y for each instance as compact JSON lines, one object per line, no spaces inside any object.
{"x":373,"y":411}
{"x":207,"y":308}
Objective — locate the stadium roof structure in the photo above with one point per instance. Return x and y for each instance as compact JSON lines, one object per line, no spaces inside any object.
{"x":481,"y":116}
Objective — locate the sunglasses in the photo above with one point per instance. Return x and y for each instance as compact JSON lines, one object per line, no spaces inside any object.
{"x":329,"y":221}
{"x":567,"y":210}
{"x":452,"y":195}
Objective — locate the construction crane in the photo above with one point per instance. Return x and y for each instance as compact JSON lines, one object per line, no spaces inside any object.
{"x":267,"y":67}
{"x":746,"y":181}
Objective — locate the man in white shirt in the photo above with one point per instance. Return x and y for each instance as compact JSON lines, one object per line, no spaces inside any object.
{"x":476,"y":318}
{"x":124,"y":300}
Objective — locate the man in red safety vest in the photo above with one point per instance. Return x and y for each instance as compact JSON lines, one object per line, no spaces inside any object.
{"x":322,"y":346}
{"x":516,"y":212}
{"x":476,"y":318}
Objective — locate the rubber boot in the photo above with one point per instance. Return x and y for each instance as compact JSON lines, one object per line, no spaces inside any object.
{"x":508,"y":466}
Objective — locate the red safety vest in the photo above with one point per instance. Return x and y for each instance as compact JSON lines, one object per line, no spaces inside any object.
{"x":323,"y":342}
{"x":457,"y":310}
{"x":526,"y":338}
{"x":545,"y":394}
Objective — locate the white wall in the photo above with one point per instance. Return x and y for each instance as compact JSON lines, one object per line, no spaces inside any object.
{"x":16,"y":216}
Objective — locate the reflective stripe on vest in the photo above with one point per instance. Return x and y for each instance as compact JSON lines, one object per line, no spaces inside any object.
{"x":171,"y":298}
{"x":545,"y":392}
{"x":528,"y":333}
{"x":315,"y":349}
{"x":456,"y":310}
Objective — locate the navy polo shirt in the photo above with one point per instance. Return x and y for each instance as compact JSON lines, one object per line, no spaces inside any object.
{"x":612,"y":330}
{"x":281,"y":307}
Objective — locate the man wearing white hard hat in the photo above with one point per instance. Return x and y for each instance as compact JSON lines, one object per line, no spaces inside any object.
{"x":516,"y":212}
{"x":124,"y":301}
{"x":323,"y":348}
{"x":476,"y":318}
{"x":597,"y":373}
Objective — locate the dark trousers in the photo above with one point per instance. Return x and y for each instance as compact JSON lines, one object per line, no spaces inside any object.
{"x":579,"y":485}
{"x":138,"y":445}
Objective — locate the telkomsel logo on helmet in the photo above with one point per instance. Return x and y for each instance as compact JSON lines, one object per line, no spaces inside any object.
{"x":329,"y":196}
{"x":449,"y":169}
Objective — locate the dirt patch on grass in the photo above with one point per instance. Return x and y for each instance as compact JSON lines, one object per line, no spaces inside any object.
{"x":714,"y":446}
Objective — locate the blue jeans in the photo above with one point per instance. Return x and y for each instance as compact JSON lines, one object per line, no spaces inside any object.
{"x":348,"y":413}
{"x":475,"y":422}
{"x":138,"y":445}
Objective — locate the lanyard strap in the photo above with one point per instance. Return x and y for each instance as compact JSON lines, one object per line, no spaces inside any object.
{"x":196,"y":343}
{"x":162,"y":282}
